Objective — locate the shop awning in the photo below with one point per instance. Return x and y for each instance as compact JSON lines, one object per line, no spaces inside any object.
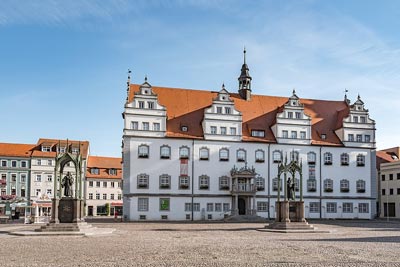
{"x":116,"y":204}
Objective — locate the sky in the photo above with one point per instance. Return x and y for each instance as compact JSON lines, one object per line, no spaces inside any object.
{"x":63,"y":64}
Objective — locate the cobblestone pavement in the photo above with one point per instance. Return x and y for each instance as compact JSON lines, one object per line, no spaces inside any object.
{"x":350,"y":243}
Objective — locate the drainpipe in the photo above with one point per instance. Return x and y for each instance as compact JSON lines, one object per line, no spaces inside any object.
{"x":269,"y":182}
{"x":320,"y":182}
{"x":192,"y":178}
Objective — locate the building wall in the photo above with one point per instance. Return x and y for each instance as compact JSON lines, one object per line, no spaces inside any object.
{"x":101,"y":190}
{"x":214,"y":168}
{"x":390,"y":188}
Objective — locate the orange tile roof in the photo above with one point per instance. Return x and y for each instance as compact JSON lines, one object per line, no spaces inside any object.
{"x":383,"y":156}
{"x":104,"y":164}
{"x":186,"y":107}
{"x":16,"y":150}
{"x":37,"y":152}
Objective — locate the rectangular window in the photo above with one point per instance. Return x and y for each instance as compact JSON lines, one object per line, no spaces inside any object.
{"x":3,"y":163}
{"x":359,"y":138}
{"x":355,"y":119}
{"x":391,"y":191}
{"x":227,"y":110}
{"x":156,"y":126}
{"x":135,"y":125}
{"x":183,"y":182}
{"x":363,"y":207}
{"x":347,"y":207}
{"x":13,"y":177}
{"x":204,"y":182}
{"x":331,"y":207}
{"x":90,"y":195}
{"x":188,"y":206}
{"x":104,"y":184}
{"x":398,"y":176}
{"x":104,"y":196}
{"x":112,"y":196}
{"x":391,"y":176}
{"x":285,"y":134}
{"x":145,"y":126}
{"x":49,"y":178}
{"x":94,"y":171}
{"x":290,"y":115}
{"x":97,"y":184}
{"x":311,"y":171}
{"x":363,"y":119}
{"x":49,"y":162}
{"x":398,"y":191}
{"x":383,"y":192}
{"x":196,"y":207}
{"x":314,"y":207}
{"x":14,"y":164}
{"x":218,"y":207}
{"x":383,"y":177}
{"x":257,"y":133}
{"x":23,"y":164}
{"x":226,"y":207}
{"x":165,"y":181}
{"x":119,"y":196}
{"x":23,"y":178}
{"x":143,"y":204}
{"x":367,"y":138}
{"x":223,"y":130}
{"x":38,"y":192}
{"x":233,"y":130}
{"x":262,"y":206}
{"x":210,"y":207}
{"x":302,"y":135}
{"x":311,"y":185}
{"x":112,"y":184}
{"x":164,"y":204}
{"x":351,"y":138}
{"x":293,"y":135}
{"x":38,"y":178}
{"x":39,"y":162}
{"x":219,"y":110}
{"x":213,"y":130}
{"x":97,"y":195}
{"x":141,"y":104}
{"x":46,"y":148}
{"x":150,"y":105}
{"x":298,"y":115}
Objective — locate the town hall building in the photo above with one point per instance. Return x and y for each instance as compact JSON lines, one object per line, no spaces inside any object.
{"x":208,"y":155}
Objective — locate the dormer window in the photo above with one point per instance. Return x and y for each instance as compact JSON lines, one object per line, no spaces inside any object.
{"x":298,"y":115}
{"x":150,"y":105}
{"x":141,"y":104}
{"x":46,"y":148}
{"x":290,"y":115}
{"x":363,"y":119}
{"x":355,"y":119}
{"x":227,"y":110}
{"x":323,"y":136}
{"x":184,"y":128}
{"x":94,"y":171}
{"x":113,"y":171}
{"x":257,"y":133}
{"x":219,"y":110}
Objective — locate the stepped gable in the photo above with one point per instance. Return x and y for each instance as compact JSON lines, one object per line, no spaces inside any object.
{"x":16,"y":150}
{"x":186,"y":107}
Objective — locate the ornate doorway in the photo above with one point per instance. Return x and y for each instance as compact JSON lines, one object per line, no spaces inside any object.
{"x":242,"y":206}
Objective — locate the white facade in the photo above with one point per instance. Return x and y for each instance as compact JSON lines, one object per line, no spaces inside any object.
{"x":174,"y":177}
{"x":390,"y":189}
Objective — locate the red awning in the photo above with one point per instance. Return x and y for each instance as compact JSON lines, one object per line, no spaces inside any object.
{"x":41,"y":204}
{"x":116,"y":204}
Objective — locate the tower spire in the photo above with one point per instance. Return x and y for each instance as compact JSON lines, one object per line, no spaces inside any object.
{"x":245,"y":79}
{"x":128,"y":83}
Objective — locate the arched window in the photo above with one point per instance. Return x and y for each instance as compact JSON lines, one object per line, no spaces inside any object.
{"x":275,"y":184}
{"x":224,"y":183}
{"x":260,"y":155}
{"x":204,"y":182}
{"x":143,"y":151}
{"x":224,"y":154}
{"x":311,"y":185}
{"x":165,"y":181}
{"x":277,"y":156}
{"x":328,"y":185}
{"x":260,"y":183}
{"x":328,"y":158}
{"x":165,"y":152}
{"x":143,"y":180}
{"x":360,"y":186}
{"x":204,"y":153}
{"x":311,"y":157}
{"x":241,"y":155}
{"x":184,"y":152}
{"x":360,"y":160}
{"x":344,"y":186}
{"x":344,"y":159}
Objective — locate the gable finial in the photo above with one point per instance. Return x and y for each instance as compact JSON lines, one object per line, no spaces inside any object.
{"x":128,"y":83}
{"x":145,"y":78}
{"x":294,"y":91}
{"x":358,"y":97}
{"x":223,"y":86}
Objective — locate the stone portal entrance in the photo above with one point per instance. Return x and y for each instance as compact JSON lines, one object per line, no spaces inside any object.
{"x":242,"y":206}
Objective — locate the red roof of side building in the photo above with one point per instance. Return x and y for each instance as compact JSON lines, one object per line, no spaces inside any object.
{"x":186,"y":107}
{"x":104,"y":164}
{"x":16,"y":150}
{"x":53,"y":143}
{"x":385,"y":156}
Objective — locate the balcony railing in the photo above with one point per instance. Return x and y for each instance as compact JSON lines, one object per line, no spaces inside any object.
{"x":244,"y":188}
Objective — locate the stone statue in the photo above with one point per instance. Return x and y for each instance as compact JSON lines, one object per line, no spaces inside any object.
{"x":67,"y":182}
{"x":290,"y":189}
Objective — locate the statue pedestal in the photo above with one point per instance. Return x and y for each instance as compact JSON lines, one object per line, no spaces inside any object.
{"x":70,"y":210}
{"x":290,"y":217}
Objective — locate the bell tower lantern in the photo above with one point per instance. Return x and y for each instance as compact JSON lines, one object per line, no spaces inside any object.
{"x":245,"y":80}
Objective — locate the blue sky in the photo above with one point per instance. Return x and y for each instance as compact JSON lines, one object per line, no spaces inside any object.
{"x":63,"y":64}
